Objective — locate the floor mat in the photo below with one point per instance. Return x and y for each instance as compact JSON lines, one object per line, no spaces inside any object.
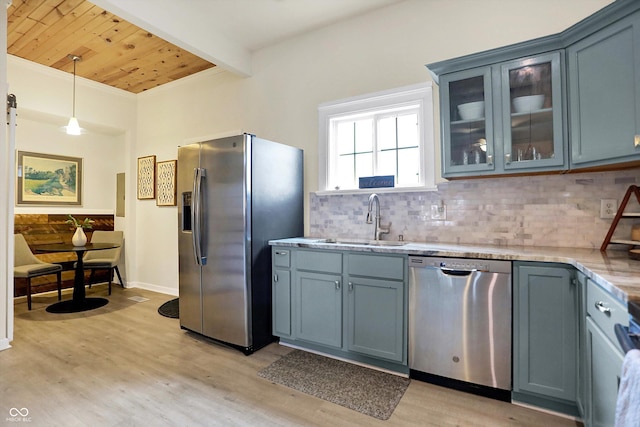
{"x":365,"y":390}
{"x":170,"y":309}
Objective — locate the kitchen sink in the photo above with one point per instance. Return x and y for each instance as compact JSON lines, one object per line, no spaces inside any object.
{"x":365,"y":242}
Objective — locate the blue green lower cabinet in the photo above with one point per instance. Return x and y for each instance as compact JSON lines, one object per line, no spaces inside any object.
{"x":319,"y":308}
{"x":281,"y":292}
{"x":376,"y":317}
{"x":604,"y":355}
{"x":343,"y":304}
{"x":281,"y":302}
{"x":604,"y":364}
{"x":545,"y":336}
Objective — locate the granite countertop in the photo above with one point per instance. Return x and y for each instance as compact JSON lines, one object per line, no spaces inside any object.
{"x":613,"y":270}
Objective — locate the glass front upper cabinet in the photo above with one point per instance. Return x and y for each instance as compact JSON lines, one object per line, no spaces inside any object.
{"x":467,"y":122}
{"x":532,"y":113}
{"x":504,"y":118}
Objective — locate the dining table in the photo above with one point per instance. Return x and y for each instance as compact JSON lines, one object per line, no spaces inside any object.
{"x":79,"y":302}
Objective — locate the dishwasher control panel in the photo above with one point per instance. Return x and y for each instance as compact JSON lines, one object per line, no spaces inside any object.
{"x":460,"y":264}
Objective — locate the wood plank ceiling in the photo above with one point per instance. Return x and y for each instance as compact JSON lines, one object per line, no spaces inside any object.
{"x":113,"y":51}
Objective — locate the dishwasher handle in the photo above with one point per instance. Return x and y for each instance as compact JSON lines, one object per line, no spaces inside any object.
{"x":454,"y":272}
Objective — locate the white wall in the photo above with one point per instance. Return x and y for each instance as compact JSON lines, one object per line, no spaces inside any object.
{"x":102,"y":160}
{"x":381,"y":50}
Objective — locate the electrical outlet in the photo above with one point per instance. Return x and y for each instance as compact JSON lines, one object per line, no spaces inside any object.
{"x":608,"y":208}
{"x":439,"y":212}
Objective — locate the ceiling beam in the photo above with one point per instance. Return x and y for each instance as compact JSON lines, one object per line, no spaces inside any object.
{"x":191,"y":31}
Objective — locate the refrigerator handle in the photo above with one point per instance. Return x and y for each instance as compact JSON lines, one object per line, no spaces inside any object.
{"x":196,"y":216}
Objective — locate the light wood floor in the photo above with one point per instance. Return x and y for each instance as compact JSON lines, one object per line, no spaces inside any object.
{"x":125,"y":365}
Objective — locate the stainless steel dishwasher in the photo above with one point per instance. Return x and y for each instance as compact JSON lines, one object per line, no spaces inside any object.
{"x":460,"y":324}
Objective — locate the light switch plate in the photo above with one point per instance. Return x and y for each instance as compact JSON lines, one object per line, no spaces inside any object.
{"x":608,"y":208}
{"x":439,"y":212}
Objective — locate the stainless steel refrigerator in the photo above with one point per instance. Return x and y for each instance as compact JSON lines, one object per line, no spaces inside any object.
{"x":235,"y":194}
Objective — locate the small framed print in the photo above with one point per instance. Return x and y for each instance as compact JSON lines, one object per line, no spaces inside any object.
{"x":146,"y":177}
{"x":166,"y":183}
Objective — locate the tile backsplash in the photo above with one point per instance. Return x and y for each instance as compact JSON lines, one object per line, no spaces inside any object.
{"x":545,"y":210}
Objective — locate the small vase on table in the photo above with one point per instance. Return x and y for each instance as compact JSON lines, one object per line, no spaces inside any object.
{"x":79,"y":238}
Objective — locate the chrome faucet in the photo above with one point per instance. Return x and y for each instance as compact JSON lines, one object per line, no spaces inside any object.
{"x":379,"y":230}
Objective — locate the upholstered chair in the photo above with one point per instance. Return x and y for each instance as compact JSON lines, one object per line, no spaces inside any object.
{"x":27,"y":266}
{"x":106,"y":259}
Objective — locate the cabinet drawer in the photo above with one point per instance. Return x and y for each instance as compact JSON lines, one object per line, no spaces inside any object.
{"x":384,"y":267}
{"x":281,"y":257}
{"x":611,"y":310}
{"x":329,"y":262}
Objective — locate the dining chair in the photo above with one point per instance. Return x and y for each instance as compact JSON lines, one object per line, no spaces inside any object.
{"x":106,"y":259}
{"x":27,"y":266}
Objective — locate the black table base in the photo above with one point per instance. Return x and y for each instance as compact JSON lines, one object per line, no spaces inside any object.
{"x":79,"y":302}
{"x":71,"y":306}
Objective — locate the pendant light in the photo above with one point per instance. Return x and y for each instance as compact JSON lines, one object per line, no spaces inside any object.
{"x":73,"y":128}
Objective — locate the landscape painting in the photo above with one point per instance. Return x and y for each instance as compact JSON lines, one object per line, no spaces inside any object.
{"x":47,"y":179}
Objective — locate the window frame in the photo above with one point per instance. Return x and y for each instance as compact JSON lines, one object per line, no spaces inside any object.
{"x":376,"y":104}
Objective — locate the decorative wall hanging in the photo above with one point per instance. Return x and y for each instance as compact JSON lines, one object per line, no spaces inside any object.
{"x":47,"y":179}
{"x":146,"y":177}
{"x":166,"y":183}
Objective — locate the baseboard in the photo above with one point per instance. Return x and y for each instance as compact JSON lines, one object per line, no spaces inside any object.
{"x":153,"y":288}
{"x":547,"y":411}
{"x":544,"y":403}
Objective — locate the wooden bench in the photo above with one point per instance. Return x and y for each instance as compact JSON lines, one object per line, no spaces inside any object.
{"x":42,"y":229}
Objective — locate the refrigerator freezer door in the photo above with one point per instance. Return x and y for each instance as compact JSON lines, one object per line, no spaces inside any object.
{"x":188,"y":269}
{"x":225,"y":295}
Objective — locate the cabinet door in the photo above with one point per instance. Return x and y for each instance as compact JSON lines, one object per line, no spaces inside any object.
{"x":319,"y":308}
{"x":281,"y":303}
{"x":604,"y":95}
{"x":532,"y":113}
{"x":546,"y":320}
{"x":605,"y":364}
{"x":467,"y":122}
{"x":376,"y":318}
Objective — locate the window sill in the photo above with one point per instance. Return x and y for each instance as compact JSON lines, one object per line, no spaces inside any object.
{"x":374,"y":190}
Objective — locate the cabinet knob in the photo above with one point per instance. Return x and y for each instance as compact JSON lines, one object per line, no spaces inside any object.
{"x":350,"y":286}
{"x":636,"y":141}
{"x":600,"y":306}
{"x":275,"y":277}
{"x":489,"y":159}
{"x":337,"y":282}
{"x":507,"y":158}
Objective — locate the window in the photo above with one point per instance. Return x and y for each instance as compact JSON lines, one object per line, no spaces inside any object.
{"x":382,"y":134}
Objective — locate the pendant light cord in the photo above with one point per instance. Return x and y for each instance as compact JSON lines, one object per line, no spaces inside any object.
{"x":73,"y":128}
{"x":75,"y":60}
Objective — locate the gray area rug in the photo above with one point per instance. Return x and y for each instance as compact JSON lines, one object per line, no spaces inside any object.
{"x":365,"y":390}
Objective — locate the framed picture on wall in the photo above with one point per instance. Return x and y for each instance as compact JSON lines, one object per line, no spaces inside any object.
{"x":166,"y":183}
{"x":48,"y":179}
{"x":146,"y":177}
